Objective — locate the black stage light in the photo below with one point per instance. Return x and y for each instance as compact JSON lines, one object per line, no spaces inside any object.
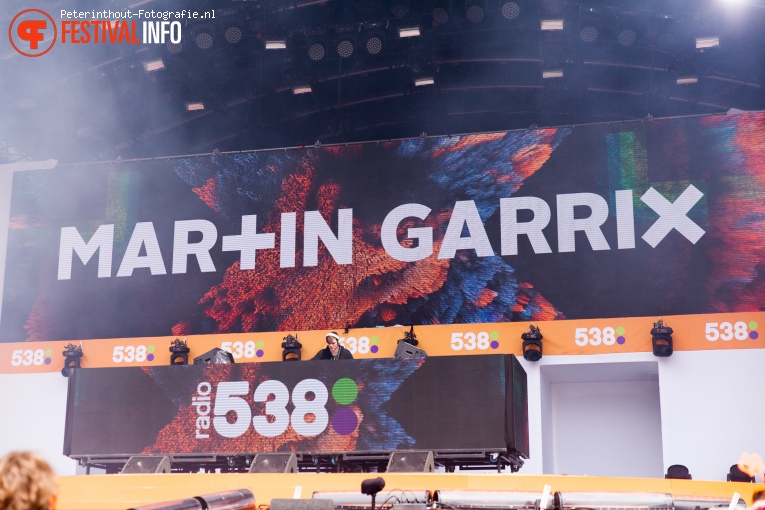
{"x":475,"y":10}
{"x":345,"y":47}
{"x":204,"y":36}
{"x":410,"y":337}
{"x":291,"y":348}
{"x":441,"y":11}
{"x":399,"y":8}
{"x":179,"y":352}
{"x":317,"y":50}
{"x":678,"y":472}
{"x":737,"y":475}
{"x":72,"y":355}
{"x":374,"y":41}
{"x":510,"y":10}
{"x":532,"y":344}
{"x":661,"y":339}
{"x":233,"y":33}
{"x":406,"y":347}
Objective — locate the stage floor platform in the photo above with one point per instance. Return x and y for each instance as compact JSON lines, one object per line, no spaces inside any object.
{"x":106,"y":492}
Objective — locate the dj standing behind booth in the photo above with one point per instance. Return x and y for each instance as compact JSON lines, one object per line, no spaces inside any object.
{"x":333,"y":350}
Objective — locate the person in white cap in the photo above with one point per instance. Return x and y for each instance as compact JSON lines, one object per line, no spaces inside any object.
{"x":333,"y":350}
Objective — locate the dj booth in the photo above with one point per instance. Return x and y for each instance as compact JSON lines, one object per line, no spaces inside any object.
{"x":346,"y":415}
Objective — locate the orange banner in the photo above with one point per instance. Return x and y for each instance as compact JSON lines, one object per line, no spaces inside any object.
{"x":563,"y":337}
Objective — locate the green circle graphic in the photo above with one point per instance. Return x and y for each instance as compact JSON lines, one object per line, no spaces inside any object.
{"x":48,"y":352}
{"x":494,"y":335}
{"x":260,"y":344}
{"x":620,"y":330}
{"x":345,"y":391}
{"x":150,"y":348}
{"x":753,"y":325}
{"x":374,"y":340}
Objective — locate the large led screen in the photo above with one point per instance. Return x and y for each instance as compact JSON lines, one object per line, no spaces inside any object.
{"x":437,"y":403}
{"x":635,"y":219}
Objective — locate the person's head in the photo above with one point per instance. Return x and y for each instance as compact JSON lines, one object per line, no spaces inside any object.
{"x":333,"y":340}
{"x":27,"y":482}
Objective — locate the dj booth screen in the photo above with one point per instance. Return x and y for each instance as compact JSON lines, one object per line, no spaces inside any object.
{"x":436,"y":403}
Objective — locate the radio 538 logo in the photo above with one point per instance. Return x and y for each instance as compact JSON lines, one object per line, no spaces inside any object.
{"x":32,"y":32}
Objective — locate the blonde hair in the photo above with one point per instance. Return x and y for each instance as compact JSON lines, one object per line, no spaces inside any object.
{"x":27,"y":482}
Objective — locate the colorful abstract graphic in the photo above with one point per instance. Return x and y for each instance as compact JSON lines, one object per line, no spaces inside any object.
{"x":703,"y":174}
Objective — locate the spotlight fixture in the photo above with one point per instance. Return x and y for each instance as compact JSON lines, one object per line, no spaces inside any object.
{"x":373,"y":42}
{"x":179,"y":352}
{"x":409,"y":31}
{"x":316,"y":51}
{"x":627,"y":36}
{"x":174,"y":48}
{"x":194,"y":106}
{"x":204,"y":36}
{"x":410,"y":337}
{"x":440,"y":13}
{"x":276,"y":44}
{"x":345,"y":47}
{"x":687,"y":80}
{"x":678,"y":471}
{"x":510,"y":10}
{"x":421,"y":81}
{"x":233,"y":34}
{"x":291,"y":348}
{"x":737,"y":475}
{"x":532,"y":344}
{"x":72,"y":355}
{"x":302,"y":89}
{"x":551,"y":24}
{"x":661,"y":339}
{"x":707,"y":42}
{"x":589,"y":29}
{"x":399,"y":8}
{"x":153,"y":65}
{"x":475,"y":10}
{"x":406,"y":348}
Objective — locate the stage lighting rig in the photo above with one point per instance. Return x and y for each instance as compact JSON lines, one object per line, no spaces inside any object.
{"x":532,"y":344}
{"x":406,"y":348}
{"x":179,"y":352}
{"x":72,"y":355}
{"x":291,"y":348}
{"x":410,"y":337}
{"x":661,"y":339}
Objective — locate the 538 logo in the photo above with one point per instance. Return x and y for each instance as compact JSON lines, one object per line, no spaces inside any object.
{"x":308,"y":416}
{"x":727,"y":331}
